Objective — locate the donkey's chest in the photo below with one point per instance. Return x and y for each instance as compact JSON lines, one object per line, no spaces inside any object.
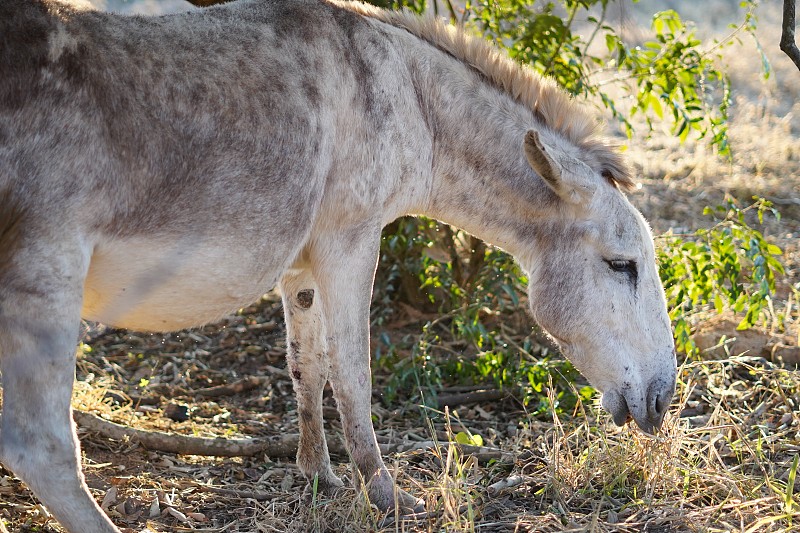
{"x":158,"y":286}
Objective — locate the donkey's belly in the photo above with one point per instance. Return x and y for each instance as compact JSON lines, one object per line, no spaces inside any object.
{"x":159,"y":286}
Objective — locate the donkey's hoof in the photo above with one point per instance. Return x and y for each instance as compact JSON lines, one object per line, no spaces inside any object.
{"x":401,"y":502}
{"x":408,"y":504}
{"x":386,"y":496}
{"x":327,"y":488}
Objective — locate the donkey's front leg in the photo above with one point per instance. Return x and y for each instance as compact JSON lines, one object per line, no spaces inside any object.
{"x":39,"y":323}
{"x":344,"y":271}
{"x":308,"y":363}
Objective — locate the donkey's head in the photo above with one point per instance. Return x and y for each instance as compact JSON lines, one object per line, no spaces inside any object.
{"x":595,"y":288}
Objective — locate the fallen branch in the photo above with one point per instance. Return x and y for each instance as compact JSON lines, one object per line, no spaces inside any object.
{"x":467,"y":398}
{"x":788,"y":44}
{"x":275,"y":447}
{"x":283,"y":446}
{"x":505,"y":484}
{"x":461,"y":388}
{"x":237,"y":387}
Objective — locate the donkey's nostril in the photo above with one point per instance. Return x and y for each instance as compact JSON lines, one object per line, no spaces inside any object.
{"x":661,"y":405}
{"x":659,"y":395}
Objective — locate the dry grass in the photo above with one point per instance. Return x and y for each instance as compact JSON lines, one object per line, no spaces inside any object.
{"x":723,"y":462}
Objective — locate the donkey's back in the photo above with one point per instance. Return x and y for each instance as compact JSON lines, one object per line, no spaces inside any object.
{"x":173,"y":152}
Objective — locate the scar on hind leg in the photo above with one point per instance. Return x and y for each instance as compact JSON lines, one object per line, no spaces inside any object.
{"x":305,"y":298}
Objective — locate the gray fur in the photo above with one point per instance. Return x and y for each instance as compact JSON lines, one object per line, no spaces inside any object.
{"x":157,"y":173}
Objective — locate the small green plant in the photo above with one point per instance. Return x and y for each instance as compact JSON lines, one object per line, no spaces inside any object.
{"x":730,"y":265}
{"x":470,"y":288}
{"x":788,"y":496}
{"x":470,"y":439}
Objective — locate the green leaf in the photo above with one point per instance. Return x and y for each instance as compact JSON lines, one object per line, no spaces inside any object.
{"x":655,"y":105}
{"x":774,"y":250}
{"x":719,"y":305}
{"x":788,"y":498}
{"x":463,"y":437}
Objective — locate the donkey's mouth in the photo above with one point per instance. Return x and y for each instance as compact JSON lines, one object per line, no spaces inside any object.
{"x":616,"y":405}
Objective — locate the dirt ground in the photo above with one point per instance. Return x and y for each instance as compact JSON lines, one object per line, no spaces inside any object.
{"x":726,"y":460}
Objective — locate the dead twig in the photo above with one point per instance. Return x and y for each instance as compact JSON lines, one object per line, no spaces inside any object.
{"x":505,"y":484}
{"x":237,"y":387}
{"x":466,"y":398}
{"x":788,"y":44}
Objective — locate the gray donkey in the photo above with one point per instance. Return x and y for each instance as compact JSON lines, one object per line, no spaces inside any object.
{"x":157,"y":173}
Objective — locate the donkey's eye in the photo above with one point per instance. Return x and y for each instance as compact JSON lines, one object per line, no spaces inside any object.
{"x":623,"y":265}
{"x":620,"y":265}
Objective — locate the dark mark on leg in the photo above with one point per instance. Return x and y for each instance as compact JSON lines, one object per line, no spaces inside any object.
{"x":305,"y":298}
{"x":294,"y":348}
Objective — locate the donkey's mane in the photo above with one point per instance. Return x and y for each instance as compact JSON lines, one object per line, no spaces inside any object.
{"x":550,"y":104}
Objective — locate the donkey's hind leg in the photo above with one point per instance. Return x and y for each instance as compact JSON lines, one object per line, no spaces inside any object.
{"x":308,"y":363}
{"x":39,"y":324}
{"x":344,"y":267}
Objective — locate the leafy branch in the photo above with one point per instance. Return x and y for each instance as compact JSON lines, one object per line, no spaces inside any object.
{"x":672,"y":77}
{"x":728,"y":266}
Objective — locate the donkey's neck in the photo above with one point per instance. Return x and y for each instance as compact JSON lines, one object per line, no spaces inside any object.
{"x":481,"y":179}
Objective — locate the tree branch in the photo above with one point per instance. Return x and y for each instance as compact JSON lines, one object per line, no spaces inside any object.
{"x":788,"y":44}
{"x":237,"y":387}
{"x":284,"y":446}
{"x":465,"y":398}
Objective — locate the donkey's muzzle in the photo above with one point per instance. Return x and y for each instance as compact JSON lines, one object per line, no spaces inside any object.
{"x":649,"y":415}
{"x":659,"y":396}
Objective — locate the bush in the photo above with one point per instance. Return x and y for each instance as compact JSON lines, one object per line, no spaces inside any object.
{"x":673,"y":77}
{"x":729,"y":266}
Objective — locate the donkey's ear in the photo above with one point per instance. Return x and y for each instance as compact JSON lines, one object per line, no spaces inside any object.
{"x":541,"y":161}
{"x":569,"y":178}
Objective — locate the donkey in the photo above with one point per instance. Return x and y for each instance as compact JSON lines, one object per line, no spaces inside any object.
{"x":157,"y":173}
